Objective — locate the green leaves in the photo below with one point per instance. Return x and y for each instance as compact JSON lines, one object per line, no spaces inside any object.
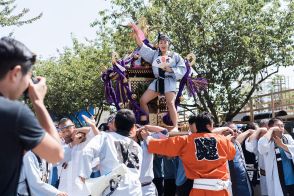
{"x":235,"y":41}
{"x":8,"y":17}
{"x":73,"y":79}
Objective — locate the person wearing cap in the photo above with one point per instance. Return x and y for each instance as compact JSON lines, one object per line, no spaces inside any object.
{"x":168,"y":67}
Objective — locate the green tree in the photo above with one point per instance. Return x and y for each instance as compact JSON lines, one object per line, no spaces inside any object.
{"x":73,"y":79}
{"x":8,"y":17}
{"x":238,"y":43}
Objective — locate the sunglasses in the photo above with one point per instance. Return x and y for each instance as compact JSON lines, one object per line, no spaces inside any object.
{"x":65,"y":127}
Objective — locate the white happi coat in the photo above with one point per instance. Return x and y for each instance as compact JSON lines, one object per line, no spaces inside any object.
{"x":33,"y":171}
{"x":177,"y":65}
{"x":251,"y":146}
{"x":147,"y":173}
{"x":69,"y":177}
{"x":112,"y":150}
{"x":267,"y":149}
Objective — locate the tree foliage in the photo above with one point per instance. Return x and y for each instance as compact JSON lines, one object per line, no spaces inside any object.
{"x":238,"y":43}
{"x":73,"y":78}
{"x":8,"y":17}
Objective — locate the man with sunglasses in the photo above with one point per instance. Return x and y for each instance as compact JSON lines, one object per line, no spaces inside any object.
{"x":75,"y":140}
{"x":20,"y":129}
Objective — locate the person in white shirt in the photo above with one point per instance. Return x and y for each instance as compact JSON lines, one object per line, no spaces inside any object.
{"x":113,"y":149}
{"x":76,"y":139}
{"x":277,"y":149}
{"x":32,"y":181}
{"x":251,"y":146}
{"x":147,"y":174}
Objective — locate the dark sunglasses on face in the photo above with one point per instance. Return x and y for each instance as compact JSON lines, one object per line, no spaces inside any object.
{"x":65,"y":127}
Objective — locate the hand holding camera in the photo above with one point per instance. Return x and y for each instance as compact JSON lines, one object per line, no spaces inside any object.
{"x":37,"y":89}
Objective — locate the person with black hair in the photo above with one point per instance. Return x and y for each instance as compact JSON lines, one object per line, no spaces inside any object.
{"x":20,"y":129}
{"x":241,"y":184}
{"x":251,"y":146}
{"x":147,"y":170}
{"x":113,"y":149}
{"x":277,"y":149}
{"x":204,"y":155}
{"x":168,"y":67}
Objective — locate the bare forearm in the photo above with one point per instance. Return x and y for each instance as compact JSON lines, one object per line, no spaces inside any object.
{"x":285,"y":147}
{"x":138,"y":41}
{"x":45,"y":119}
{"x":219,"y":130}
{"x":254,"y":135}
{"x":153,"y":128}
{"x":83,"y":129}
{"x":268,"y":135}
{"x":94,"y":129}
{"x":242,"y":137}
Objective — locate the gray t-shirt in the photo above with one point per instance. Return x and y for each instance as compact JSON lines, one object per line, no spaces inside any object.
{"x":19,"y":130}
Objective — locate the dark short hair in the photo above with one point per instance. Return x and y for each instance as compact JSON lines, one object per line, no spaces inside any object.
{"x":192,"y":120}
{"x":162,"y":36}
{"x":12,"y":53}
{"x":250,"y":125}
{"x":272,"y":121}
{"x":202,"y":120}
{"x":103,"y":127}
{"x":124,"y":121}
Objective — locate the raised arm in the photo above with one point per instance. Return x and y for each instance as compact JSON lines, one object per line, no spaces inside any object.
{"x":256,"y":134}
{"x":223,"y":131}
{"x":265,"y":142}
{"x":241,"y":137}
{"x":92,"y":124}
{"x":153,"y":128}
{"x":137,"y":34}
{"x":49,"y":148}
{"x":169,"y":147}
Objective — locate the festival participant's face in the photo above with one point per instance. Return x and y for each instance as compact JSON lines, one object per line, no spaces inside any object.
{"x":19,"y":82}
{"x":234,"y":128}
{"x":193,"y":128}
{"x":163,"y":45}
{"x":279,"y":124}
{"x":67,"y":129}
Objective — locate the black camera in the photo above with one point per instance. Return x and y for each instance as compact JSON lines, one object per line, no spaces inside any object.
{"x":35,"y":80}
{"x":26,"y":92}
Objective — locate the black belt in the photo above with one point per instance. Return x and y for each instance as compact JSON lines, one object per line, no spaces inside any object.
{"x":168,"y":76}
{"x":145,"y":184}
{"x":159,"y":85}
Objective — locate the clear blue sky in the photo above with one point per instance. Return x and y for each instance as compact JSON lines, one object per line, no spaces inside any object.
{"x":59,"y":20}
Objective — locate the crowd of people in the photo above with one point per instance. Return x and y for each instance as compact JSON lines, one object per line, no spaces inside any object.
{"x":39,"y":157}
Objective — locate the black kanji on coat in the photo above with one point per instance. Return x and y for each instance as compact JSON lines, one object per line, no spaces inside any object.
{"x":206,"y":148}
{"x":127,"y":154}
